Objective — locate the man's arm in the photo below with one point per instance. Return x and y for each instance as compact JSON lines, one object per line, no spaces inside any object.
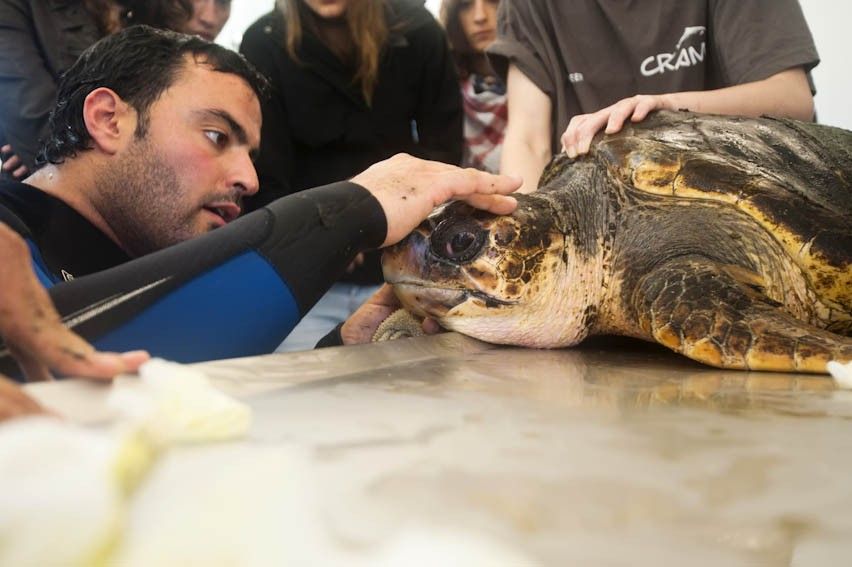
{"x":240,"y":289}
{"x":526,"y":146}
{"x":786,"y":94}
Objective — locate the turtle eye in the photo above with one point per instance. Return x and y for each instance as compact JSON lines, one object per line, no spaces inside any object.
{"x":457,"y":241}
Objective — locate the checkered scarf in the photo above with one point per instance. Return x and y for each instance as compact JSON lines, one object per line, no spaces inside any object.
{"x":485,"y":116}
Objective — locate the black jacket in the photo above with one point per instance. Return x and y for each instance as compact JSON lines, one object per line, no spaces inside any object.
{"x":317,"y":127}
{"x":39,"y":40}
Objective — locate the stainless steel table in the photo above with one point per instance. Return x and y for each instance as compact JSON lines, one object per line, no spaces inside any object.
{"x":445,"y":450}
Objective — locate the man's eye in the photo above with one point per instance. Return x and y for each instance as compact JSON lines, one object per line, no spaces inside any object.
{"x":218,"y":138}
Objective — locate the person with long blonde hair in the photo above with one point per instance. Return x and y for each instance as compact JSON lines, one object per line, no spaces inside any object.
{"x":353,"y":82}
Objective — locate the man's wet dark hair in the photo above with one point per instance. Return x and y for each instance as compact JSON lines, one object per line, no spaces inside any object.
{"x":138,"y":63}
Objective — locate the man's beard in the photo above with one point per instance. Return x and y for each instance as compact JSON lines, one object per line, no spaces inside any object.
{"x":143,"y":202}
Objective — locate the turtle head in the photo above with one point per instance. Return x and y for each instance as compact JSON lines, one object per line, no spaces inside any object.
{"x":501,"y":279}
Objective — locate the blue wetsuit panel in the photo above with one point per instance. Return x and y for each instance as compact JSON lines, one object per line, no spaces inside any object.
{"x":43,"y":274}
{"x":241,"y":307}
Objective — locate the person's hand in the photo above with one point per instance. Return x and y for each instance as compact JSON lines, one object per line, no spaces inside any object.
{"x":14,"y":402}
{"x":34,"y":333}
{"x":361,"y":325}
{"x":12,"y":163}
{"x":409,"y":188}
{"x":578,"y":136}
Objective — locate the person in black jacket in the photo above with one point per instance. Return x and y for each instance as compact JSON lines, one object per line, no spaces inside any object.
{"x":41,"y":39}
{"x":353,"y":83}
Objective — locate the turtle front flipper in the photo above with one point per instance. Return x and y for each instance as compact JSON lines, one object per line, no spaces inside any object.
{"x":713,"y":314}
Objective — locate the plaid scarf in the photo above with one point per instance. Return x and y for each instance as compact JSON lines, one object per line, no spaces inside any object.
{"x":485,"y":116}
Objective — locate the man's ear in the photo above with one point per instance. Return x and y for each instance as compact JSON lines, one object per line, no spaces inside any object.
{"x":111,"y":122}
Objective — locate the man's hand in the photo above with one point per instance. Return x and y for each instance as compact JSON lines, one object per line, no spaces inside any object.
{"x":32,"y":330}
{"x":578,"y":136}
{"x":409,"y":188}
{"x":361,"y":326}
{"x":12,"y":163}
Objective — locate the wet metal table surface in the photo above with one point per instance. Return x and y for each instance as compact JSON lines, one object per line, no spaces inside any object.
{"x":614,"y":453}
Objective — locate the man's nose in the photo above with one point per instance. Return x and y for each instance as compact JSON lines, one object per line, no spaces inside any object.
{"x":245,"y":177}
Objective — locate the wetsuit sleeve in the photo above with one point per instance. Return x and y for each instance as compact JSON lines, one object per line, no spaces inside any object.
{"x":236,"y":291}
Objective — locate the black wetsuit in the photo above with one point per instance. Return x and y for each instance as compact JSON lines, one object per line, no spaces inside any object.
{"x":236,"y":291}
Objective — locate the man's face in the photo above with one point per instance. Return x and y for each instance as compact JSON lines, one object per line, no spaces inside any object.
{"x":188,"y":174}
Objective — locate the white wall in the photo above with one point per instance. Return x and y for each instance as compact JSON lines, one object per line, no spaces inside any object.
{"x":243,"y":14}
{"x":828,"y":20}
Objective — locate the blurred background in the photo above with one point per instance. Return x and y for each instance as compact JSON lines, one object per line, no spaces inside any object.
{"x":828,"y":20}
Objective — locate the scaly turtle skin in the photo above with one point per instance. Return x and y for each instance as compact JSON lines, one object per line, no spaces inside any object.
{"x":728,"y":240}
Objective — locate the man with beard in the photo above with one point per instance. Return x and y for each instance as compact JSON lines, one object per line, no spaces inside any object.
{"x":151,"y":149}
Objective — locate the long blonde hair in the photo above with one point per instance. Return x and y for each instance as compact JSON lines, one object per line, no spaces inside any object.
{"x":368,"y":28}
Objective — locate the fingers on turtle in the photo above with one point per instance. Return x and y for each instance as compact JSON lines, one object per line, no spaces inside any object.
{"x":586,"y":132}
{"x":645,"y":105}
{"x":571,"y":135}
{"x":496,"y":204}
{"x":620,"y":112}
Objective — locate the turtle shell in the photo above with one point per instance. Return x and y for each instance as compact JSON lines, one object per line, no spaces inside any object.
{"x":792,"y":178}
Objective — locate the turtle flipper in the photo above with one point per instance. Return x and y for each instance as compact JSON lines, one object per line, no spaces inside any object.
{"x":712,"y":314}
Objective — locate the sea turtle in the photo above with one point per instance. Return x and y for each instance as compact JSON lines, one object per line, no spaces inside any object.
{"x":728,"y":240}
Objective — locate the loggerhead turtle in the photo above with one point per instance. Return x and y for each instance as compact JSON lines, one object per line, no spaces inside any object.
{"x":728,"y":240}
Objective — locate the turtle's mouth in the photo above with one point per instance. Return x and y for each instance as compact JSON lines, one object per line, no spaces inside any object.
{"x":437,"y":301}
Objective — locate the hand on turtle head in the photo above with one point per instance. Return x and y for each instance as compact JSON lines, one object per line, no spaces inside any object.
{"x":32,"y":330}
{"x":409,"y":188}
{"x":12,"y":163}
{"x":582,"y":128}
